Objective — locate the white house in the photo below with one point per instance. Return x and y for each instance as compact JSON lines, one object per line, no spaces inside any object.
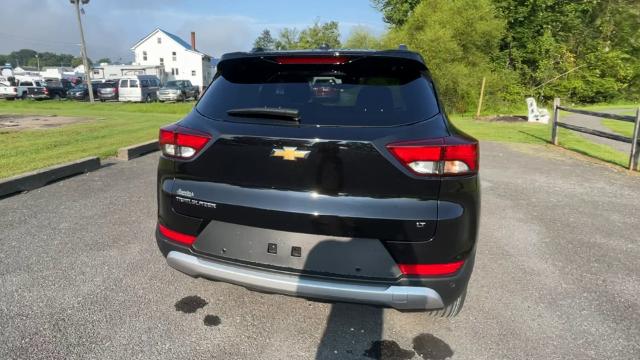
{"x":181,"y":60}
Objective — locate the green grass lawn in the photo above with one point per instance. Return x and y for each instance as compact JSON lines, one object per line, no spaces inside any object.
{"x":538,"y":134}
{"x":111,"y":126}
{"x":620,"y":127}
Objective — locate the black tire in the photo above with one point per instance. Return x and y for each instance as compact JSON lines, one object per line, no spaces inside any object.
{"x":10,"y":99}
{"x":452,"y":309}
{"x":57,"y":97}
{"x":102,"y":100}
{"x":147,"y":99}
{"x":23,"y":96}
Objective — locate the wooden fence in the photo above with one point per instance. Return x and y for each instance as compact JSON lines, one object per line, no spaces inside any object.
{"x":635,"y":150}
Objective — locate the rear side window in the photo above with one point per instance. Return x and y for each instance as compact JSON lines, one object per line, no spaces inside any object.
{"x":133,"y":83}
{"x":26,"y":83}
{"x":363,"y":92}
{"x":124,"y":83}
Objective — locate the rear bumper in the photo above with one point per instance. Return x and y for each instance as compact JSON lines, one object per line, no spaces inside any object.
{"x":399,"y":297}
{"x":168,"y":97}
{"x":108,"y":97}
{"x":38,"y":96}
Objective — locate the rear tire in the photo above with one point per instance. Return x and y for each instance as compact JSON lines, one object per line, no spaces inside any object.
{"x":147,"y":99}
{"x":452,"y":309}
{"x":23,"y":96}
{"x":56,"y":97}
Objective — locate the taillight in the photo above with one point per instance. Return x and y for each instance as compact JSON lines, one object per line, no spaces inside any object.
{"x":442,"y":156}
{"x":431,"y":269}
{"x":180,"y":142}
{"x":315,"y":60}
{"x":46,"y":92}
{"x":176,"y":236}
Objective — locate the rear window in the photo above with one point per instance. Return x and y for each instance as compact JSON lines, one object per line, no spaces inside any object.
{"x":124,"y":83}
{"x":133,"y":83}
{"x":364,"y":92}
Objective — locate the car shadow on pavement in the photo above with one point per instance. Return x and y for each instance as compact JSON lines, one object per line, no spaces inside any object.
{"x":355,"y":331}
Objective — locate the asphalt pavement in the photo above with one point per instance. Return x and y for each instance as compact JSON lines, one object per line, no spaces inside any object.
{"x":557,"y":277}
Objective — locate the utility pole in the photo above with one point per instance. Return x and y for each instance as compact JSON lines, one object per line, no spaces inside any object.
{"x":38,"y":60}
{"x":85,"y":61}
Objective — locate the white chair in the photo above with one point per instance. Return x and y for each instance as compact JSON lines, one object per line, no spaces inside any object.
{"x":535,"y":114}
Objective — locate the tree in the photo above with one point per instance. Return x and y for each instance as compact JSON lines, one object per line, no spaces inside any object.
{"x":104,"y":60}
{"x":361,"y":38}
{"x":458,"y":39}
{"x":287,"y":39}
{"x":264,"y":41}
{"x":318,"y":35}
{"x":547,"y":38}
{"x":395,"y":12}
{"x":309,"y":38}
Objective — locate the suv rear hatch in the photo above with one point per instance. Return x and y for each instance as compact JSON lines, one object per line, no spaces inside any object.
{"x":300,"y":145}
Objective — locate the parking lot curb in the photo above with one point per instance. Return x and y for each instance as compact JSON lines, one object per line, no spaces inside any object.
{"x":134,"y":151}
{"x":35,"y":179}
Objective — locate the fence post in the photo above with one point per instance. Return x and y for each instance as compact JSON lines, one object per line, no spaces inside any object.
{"x":554,"y":127}
{"x":633,"y":156}
{"x":484,"y":79}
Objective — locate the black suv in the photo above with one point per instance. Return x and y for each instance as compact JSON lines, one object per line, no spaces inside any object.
{"x":333,"y":175}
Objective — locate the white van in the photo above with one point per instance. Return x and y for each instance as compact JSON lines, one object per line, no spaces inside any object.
{"x":138,"y":88}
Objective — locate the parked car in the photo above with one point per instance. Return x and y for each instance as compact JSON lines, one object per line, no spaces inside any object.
{"x":34,"y":89}
{"x":81,"y":92}
{"x":178,"y":90}
{"x":140,"y":88}
{"x":108,"y":91}
{"x":8,"y":90}
{"x":369,"y":196}
{"x":56,"y":89}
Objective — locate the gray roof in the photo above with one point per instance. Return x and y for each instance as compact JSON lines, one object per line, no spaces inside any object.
{"x":176,"y":38}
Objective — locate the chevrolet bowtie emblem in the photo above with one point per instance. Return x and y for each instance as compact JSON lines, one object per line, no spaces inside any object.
{"x":290,"y":153}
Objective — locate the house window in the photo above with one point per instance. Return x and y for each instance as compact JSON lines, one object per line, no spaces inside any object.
{"x":173,"y":56}
{"x":193,"y":73}
{"x":162,"y":61}
{"x":173,"y":71}
{"x":176,"y":71}
{"x":159,"y":40}
{"x":144,"y":56}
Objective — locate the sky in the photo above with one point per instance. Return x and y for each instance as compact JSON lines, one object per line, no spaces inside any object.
{"x":113,"y":26}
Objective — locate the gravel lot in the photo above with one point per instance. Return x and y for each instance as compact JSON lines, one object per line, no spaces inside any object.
{"x":557,"y":277}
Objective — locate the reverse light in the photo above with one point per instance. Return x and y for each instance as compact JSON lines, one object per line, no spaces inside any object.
{"x":180,"y":142}
{"x":441,"y":156}
{"x":315,"y":60}
{"x":431,"y":269}
{"x":176,"y":236}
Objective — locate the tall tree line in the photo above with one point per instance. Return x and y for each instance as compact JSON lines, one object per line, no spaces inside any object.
{"x":27,"y":57}
{"x":583,"y":50}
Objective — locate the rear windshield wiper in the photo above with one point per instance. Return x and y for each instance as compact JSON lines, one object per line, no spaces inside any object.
{"x":267,"y":112}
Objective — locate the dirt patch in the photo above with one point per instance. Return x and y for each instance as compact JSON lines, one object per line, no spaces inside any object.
{"x":504,"y":118}
{"x":13,"y":122}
